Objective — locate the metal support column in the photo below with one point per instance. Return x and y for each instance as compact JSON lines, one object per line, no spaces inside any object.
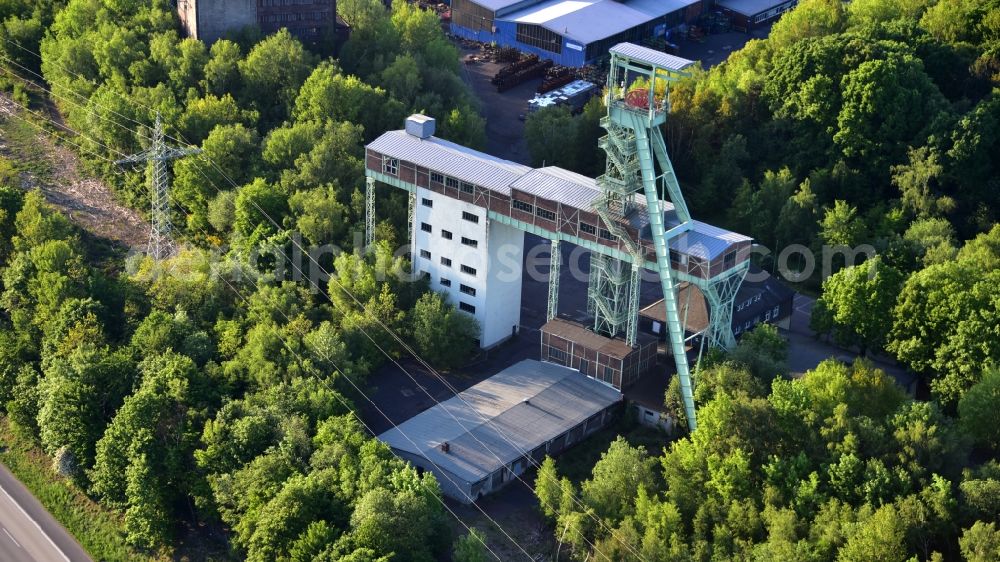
{"x":632,"y":326}
{"x":411,"y":217}
{"x":720,"y":294}
{"x":555,"y":267}
{"x":369,"y":212}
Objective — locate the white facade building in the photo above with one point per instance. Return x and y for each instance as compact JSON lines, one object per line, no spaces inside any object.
{"x":463,"y":253}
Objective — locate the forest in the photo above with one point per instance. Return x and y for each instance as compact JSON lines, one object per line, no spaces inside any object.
{"x":871,"y":122}
{"x":201,"y":392}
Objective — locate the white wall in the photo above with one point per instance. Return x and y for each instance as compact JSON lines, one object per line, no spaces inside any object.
{"x":503,"y":301}
{"x":497,"y":260}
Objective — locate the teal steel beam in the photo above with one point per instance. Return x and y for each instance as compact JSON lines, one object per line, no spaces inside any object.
{"x":369,"y":211}
{"x":555,"y":263}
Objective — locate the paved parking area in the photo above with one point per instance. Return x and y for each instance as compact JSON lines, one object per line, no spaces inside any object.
{"x":716,"y":48}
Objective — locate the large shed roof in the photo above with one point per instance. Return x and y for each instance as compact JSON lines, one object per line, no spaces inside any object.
{"x":527,"y":404}
{"x":588,"y":21}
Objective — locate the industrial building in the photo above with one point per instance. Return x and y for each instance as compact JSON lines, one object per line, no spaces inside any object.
{"x":483,"y":438}
{"x":569,"y":32}
{"x":468,"y":212}
{"x":761,"y":299}
{"x":309,"y":20}
{"x":747,"y":15}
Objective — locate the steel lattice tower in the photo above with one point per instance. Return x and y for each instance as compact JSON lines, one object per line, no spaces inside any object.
{"x":158,"y":155}
{"x":637,"y":162}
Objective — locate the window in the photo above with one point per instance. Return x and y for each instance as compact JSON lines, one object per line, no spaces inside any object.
{"x":466,"y":307}
{"x":545,"y":214}
{"x":609,"y":375}
{"x":584,"y":366}
{"x":606,"y":234}
{"x":522,"y":206}
{"x":445,"y":282}
{"x":767,"y":316}
{"x":774,"y":314}
{"x":446,"y":262}
{"x":468,"y":270}
{"x":470,"y":217}
{"x":470,"y":242}
{"x":467,"y":290}
{"x":426,"y":227}
{"x":446,"y":234}
{"x":557,"y":354}
{"x":425,"y":254}
{"x":450,"y":182}
{"x":538,"y":36}
{"x":390,"y":166}
{"x":588,"y":228}
{"x":729,"y":261}
{"x":437,"y":178}
{"x":468,"y":188}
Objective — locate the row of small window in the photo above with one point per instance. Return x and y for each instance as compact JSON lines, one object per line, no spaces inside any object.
{"x":447,"y":235}
{"x":749,"y":301}
{"x":299,"y":16}
{"x":465,"y":289}
{"x":768,"y":316}
{"x":445,"y":261}
{"x":449,"y":181}
{"x":471,"y":217}
{"x":271,"y":3}
{"x":586,"y":228}
{"x":528,"y":208}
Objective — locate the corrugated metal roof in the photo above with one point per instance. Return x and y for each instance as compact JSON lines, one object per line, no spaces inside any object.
{"x":451,"y":159}
{"x":558,"y":184}
{"x":530,"y":403}
{"x":582,"y":21}
{"x":706,"y":241}
{"x":651,"y":56}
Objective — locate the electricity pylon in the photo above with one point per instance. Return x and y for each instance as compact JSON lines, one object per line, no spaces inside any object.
{"x":158,"y":155}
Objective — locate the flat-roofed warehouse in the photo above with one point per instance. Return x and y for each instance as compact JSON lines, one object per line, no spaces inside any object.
{"x":478,"y":441}
{"x":570,"y":32}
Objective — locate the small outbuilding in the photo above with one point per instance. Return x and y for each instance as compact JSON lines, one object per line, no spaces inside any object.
{"x":484,"y":437}
{"x":747,"y":15}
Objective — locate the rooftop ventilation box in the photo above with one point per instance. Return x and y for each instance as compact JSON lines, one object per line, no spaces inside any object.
{"x":420,"y":126}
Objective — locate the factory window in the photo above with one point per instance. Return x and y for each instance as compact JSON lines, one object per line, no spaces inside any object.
{"x":522,"y":206}
{"x":425,"y":254}
{"x":538,"y":36}
{"x":609,"y":375}
{"x":606,"y":234}
{"x":466,"y":307}
{"x":468,"y":270}
{"x":545,"y":214}
{"x":472,"y":16}
{"x":451,"y":182}
{"x":446,"y":262}
{"x":678,"y":258}
{"x":588,"y":228}
{"x":470,"y":242}
{"x":775,"y":313}
{"x":426,"y":202}
{"x":467,"y":290}
{"x":390,"y":166}
{"x":468,"y":188}
{"x":470,"y":217}
{"x":436,"y":177}
{"x":446,"y":234}
{"x":426,"y":227}
{"x":767,"y":316}
{"x":729,"y":261}
{"x":445,"y":282}
{"x":557,"y":354}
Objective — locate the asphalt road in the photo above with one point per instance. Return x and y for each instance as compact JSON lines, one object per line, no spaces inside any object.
{"x":27,"y":532}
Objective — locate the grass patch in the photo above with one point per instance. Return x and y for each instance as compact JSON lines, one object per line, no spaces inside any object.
{"x":24,"y":148}
{"x":97,"y":529}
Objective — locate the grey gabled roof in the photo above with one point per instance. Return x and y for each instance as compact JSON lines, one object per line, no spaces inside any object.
{"x":527,"y":404}
{"x":451,"y":159}
{"x":651,"y":56}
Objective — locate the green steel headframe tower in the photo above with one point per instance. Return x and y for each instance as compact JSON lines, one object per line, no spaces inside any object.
{"x":637,"y":162}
